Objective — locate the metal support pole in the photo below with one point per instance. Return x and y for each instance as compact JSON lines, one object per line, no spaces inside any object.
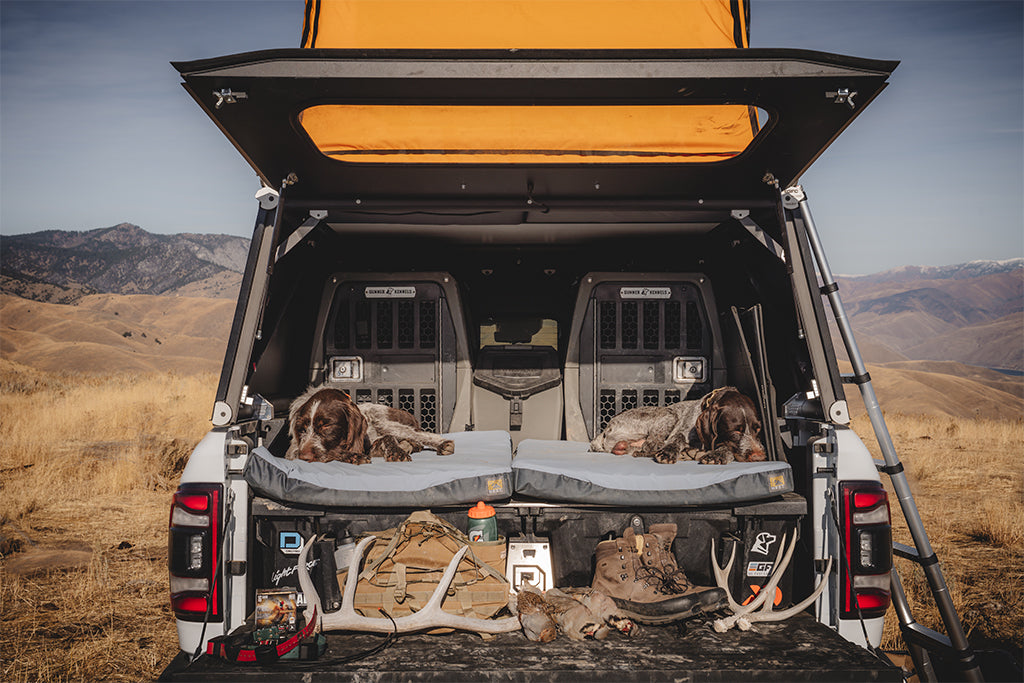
{"x":922,"y":660}
{"x":894,"y":468}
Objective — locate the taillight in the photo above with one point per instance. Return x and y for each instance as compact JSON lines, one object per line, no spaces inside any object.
{"x":867,"y":537}
{"x":193,"y":544}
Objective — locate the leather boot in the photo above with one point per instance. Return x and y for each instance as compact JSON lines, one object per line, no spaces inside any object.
{"x":641,"y":575}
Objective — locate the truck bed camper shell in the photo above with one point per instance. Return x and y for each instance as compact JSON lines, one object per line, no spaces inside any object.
{"x":515,"y":237}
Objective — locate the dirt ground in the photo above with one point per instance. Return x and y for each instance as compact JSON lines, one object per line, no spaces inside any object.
{"x":84,"y":502}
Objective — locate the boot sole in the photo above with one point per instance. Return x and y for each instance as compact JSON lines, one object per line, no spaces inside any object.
{"x":631,"y":610}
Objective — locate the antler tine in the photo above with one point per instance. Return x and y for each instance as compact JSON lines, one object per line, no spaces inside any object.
{"x":722,"y":575}
{"x":431,"y":616}
{"x":740,"y":611}
{"x":769,"y":615}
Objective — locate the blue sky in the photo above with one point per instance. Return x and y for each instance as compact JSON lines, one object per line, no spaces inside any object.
{"x":96,"y":130}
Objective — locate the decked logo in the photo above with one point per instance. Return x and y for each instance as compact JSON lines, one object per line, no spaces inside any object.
{"x":776,"y":482}
{"x":290,"y":542}
{"x":645,"y":293}
{"x":763,"y":543}
{"x":390,"y":292}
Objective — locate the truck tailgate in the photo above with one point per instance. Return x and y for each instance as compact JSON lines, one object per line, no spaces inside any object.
{"x":800,"y":649}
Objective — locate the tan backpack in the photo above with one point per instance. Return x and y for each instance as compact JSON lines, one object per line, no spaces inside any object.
{"x":405,"y":564}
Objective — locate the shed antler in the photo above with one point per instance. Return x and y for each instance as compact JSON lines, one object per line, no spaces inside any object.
{"x":431,"y":616}
{"x":760,"y":608}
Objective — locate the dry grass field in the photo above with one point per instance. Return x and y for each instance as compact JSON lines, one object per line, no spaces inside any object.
{"x":87,"y":467}
{"x":88,"y":464}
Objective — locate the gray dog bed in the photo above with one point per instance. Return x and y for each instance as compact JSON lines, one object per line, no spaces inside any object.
{"x":480,"y":469}
{"x":564,"y":471}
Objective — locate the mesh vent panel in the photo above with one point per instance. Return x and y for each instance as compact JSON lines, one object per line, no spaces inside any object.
{"x":385,"y":397}
{"x":671,"y":396}
{"x":385,"y":324}
{"x":407,"y":400}
{"x":606,"y":408}
{"x":428,"y":324}
{"x":607,"y":331}
{"x":652,"y":324}
{"x":363,"y":396}
{"x":630,"y":324}
{"x":673,"y":331}
{"x":406,"y":325}
{"x":362,"y":325}
{"x":428,"y":410}
{"x":694,"y":328}
{"x":651,"y":397}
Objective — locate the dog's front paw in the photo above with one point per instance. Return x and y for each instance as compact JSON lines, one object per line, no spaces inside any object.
{"x":719,"y":456}
{"x":387,"y":447}
{"x":666,"y":456}
{"x":447,"y":447}
{"x":350,"y":458}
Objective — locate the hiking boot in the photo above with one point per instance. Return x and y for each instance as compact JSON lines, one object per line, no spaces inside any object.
{"x":641,"y":575}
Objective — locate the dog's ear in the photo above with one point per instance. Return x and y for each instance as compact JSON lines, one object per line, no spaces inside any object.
{"x":706,"y":426}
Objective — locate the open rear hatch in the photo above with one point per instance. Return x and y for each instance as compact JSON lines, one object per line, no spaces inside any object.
{"x":531,"y":130}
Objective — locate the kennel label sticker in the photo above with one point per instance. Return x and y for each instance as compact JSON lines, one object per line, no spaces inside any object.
{"x":290,"y":542}
{"x":759,"y":568}
{"x":763,"y":543}
{"x":645,"y":292}
{"x":390,"y":292}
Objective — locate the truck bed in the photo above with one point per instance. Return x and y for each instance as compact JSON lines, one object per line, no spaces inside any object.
{"x":800,"y":649}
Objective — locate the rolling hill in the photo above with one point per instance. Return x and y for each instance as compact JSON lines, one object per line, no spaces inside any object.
{"x":120,"y":298}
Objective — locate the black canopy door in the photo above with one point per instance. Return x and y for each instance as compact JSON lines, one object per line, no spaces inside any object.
{"x":806,"y":98}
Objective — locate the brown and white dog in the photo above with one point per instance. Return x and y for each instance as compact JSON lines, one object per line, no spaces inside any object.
{"x":721,"y":427}
{"x":325,"y":425}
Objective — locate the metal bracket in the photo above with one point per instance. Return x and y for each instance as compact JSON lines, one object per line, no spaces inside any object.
{"x":743,"y":217}
{"x":296,"y":237}
{"x":842,"y":96}
{"x":268,"y":198}
{"x":228,"y":96}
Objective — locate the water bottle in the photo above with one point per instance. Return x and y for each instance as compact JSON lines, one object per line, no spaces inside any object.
{"x":343,"y":552}
{"x":483,"y":525}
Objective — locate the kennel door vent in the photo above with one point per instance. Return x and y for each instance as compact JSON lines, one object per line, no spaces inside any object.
{"x":645,"y":342}
{"x":394,"y":343}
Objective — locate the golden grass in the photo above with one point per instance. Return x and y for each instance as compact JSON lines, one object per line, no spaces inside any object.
{"x":968,"y":483}
{"x":90,"y":462}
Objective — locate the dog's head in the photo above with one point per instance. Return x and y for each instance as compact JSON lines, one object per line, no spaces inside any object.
{"x":323,"y":423}
{"x":729,"y":418}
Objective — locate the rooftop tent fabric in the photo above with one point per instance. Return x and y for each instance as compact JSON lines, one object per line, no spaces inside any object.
{"x":521,"y":134}
{"x":526,"y":24}
{"x":590,"y":133}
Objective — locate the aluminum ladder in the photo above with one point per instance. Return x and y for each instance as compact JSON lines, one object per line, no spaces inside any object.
{"x":920,"y":640}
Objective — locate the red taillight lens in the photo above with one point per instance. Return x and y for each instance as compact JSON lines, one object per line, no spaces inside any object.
{"x":194,"y":502}
{"x":193,"y":547}
{"x":867,"y":541}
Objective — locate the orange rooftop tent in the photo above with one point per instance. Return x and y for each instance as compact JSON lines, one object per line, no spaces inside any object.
{"x":446,"y":132}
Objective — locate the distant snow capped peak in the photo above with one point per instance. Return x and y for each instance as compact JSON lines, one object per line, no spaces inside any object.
{"x":954,"y":271}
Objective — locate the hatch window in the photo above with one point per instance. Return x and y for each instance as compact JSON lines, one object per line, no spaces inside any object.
{"x":531,"y":134}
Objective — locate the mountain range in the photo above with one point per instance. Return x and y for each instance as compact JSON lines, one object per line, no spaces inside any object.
{"x":972,"y":313}
{"x":62,"y":266}
{"x":120,"y":298}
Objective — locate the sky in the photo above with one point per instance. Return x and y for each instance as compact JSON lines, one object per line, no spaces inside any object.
{"x":96,"y":130}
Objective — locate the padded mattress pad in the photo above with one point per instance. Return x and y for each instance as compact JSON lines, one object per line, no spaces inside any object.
{"x":480,"y":469}
{"x":565,"y":471}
